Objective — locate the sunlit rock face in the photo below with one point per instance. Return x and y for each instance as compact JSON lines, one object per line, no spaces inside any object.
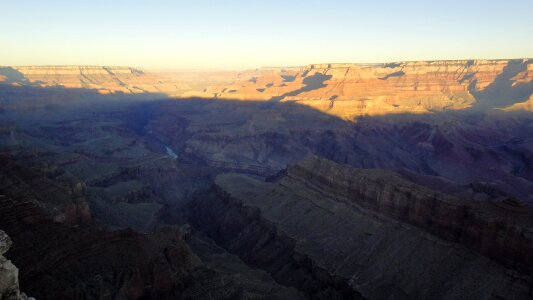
{"x":351,"y":90}
{"x":522,"y":106}
{"x":344,"y":90}
{"x":103,"y":79}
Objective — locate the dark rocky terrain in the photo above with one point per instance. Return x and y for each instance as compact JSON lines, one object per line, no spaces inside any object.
{"x":126,"y":194}
{"x":71,"y":257}
{"x":294,"y":221}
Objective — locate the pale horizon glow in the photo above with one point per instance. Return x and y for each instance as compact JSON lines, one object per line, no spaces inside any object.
{"x":202,"y":34}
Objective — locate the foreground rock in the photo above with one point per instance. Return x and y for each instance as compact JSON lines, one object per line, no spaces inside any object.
{"x":331,"y":226}
{"x":9,"y":284}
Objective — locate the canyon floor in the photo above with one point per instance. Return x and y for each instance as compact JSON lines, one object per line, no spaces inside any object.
{"x":406,"y":180}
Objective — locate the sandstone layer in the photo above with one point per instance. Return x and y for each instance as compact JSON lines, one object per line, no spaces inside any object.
{"x":347,"y":91}
{"x":104,"y":80}
{"x":351,"y":90}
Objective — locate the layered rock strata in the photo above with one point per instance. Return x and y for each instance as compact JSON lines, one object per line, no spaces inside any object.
{"x":353,"y":90}
{"x":324,"y":224}
{"x":104,"y":80}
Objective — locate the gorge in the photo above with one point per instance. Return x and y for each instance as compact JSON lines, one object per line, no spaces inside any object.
{"x":402,"y":180}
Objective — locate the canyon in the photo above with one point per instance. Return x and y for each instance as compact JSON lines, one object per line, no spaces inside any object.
{"x":402,"y":180}
{"x":350,"y":90}
{"x":295,"y":220}
{"x":344,"y":90}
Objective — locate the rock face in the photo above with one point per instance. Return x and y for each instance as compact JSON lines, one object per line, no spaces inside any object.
{"x":103,"y":79}
{"x":350,"y":90}
{"x":371,"y":230}
{"x":522,"y":106}
{"x":347,"y":91}
{"x":477,"y":225}
{"x":9,"y":285}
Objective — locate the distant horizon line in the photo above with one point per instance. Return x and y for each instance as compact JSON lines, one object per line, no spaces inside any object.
{"x":214,"y":69}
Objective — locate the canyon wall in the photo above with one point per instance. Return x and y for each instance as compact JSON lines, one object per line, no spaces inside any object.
{"x":323,"y":224}
{"x":497,"y":230}
{"x":347,"y":91}
{"x":353,"y":90}
{"x":104,"y":80}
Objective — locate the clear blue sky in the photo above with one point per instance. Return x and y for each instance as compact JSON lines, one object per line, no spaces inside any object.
{"x":244,"y":34}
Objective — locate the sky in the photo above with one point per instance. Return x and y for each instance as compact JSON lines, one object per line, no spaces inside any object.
{"x":202,"y":34}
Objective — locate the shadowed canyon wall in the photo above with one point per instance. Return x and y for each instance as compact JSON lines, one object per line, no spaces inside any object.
{"x":350,"y":226}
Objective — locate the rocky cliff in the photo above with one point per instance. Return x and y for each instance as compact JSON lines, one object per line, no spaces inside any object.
{"x":344,"y":90}
{"x":500,"y":231}
{"x":352,"y":90}
{"x":104,"y":80}
{"x":320,"y":222}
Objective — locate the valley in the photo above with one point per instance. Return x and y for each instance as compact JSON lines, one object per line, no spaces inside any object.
{"x":407,"y":180}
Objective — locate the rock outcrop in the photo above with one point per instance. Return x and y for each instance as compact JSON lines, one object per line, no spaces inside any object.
{"x":379,"y":234}
{"x":9,"y":284}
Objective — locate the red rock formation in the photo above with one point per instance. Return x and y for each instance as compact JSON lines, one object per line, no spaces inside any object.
{"x":351,"y":90}
{"x":103,"y":79}
{"x":344,"y":90}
